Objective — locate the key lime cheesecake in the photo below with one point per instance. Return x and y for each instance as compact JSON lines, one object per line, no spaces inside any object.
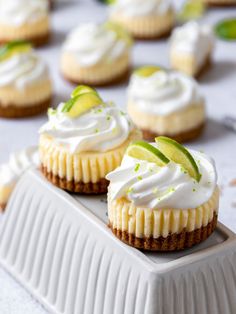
{"x":162,"y":102}
{"x":96,"y":54}
{"x":144,"y":19}
{"x":25,"y":84}
{"x":11,"y":171}
{"x":24,"y":20}
{"x":191,"y":48}
{"x":84,"y":140}
{"x":163,"y":197}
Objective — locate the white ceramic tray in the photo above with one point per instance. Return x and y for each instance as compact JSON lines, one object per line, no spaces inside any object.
{"x":60,"y":249}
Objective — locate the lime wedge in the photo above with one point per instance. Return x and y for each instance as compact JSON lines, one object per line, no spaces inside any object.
{"x":121,"y":33}
{"x":147,"y":70}
{"x":191,"y":10}
{"x":82,"y":89}
{"x":226,"y":29}
{"x":75,"y":107}
{"x":144,"y":151}
{"x":179,"y":154}
{"x":12,"y":48}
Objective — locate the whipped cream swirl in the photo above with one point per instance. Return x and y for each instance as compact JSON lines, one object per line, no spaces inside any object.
{"x":163,"y":92}
{"x":93,"y":43}
{"x":194,"y":39}
{"x":18,"y":163}
{"x":19,"y":12}
{"x":136,"y":8}
{"x":23,"y":69}
{"x":100,"y":129}
{"x":148,"y":185}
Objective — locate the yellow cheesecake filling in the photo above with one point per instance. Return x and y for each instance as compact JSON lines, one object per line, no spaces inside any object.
{"x":26,"y":31}
{"x":174,"y":123}
{"x":83,"y":166}
{"x":145,"y":222}
{"x":146,"y":26}
{"x":98,"y":73}
{"x":187,"y":63}
{"x":29,"y":96}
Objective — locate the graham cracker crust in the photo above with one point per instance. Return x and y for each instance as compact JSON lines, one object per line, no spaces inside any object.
{"x":220,"y":4}
{"x":35,"y":40}
{"x":12,"y":111}
{"x":99,"y":187}
{"x":115,"y":81}
{"x":173,"y":242}
{"x":164,"y":35}
{"x":204,"y":68}
{"x":180,"y":137}
{"x":2,"y":207}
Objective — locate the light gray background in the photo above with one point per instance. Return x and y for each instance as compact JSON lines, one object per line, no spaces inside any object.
{"x":218,"y":85}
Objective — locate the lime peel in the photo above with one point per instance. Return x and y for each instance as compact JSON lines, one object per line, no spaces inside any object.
{"x":226,"y":29}
{"x":145,"y":151}
{"x":179,"y":154}
{"x":191,"y":10}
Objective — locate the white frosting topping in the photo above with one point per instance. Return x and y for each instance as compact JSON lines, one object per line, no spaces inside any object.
{"x":23,"y":69}
{"x":100,"y":129}
{"x":93,"y":43}
{"x":163,"y":92}
{"x":194,"y":39}
{"x":18,"y":12}
{"x":133,"y":8}
{"x":18,"y":163}
{"x":148,"y":185}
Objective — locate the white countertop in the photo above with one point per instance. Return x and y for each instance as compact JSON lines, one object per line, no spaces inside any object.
{"x":218,"y":85}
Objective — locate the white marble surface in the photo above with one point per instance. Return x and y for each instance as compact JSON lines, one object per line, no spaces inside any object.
{"x":218,"y":86}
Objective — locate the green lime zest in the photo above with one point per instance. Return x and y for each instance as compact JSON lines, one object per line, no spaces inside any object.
{"x":226,"y":29}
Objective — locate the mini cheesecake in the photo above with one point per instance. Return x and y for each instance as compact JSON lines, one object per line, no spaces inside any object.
{"x":163,"y":197}
{"x":25,"y":84}
{"x":191,"y":48}
{"x":169,"y":103}
{"x":92,"y":50}
{"x":11,"y":171}
{"x":144,"y":19}
{"x":83,"y":140}
{"x":25,"y":20}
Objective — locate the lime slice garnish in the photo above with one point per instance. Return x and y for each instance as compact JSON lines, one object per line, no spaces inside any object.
{"x":82,"y":89}
{"x":120,"y":32}
{"x":12,"y":48}
{"x":191,"y":10}
{"x":78,"y":105}
{"x":144,"y":151}
{"x":179,"y":154}
{"x":147,"y":70}
{"x":226,"y":29}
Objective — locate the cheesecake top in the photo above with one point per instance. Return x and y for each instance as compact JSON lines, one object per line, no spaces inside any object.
{"x":171,"y":185}
{"x":138,"y":8}
{"x":91,"y":43}
{"x":86,"y":123}
{"x":157,"y":91}
{"x":19,"y":12}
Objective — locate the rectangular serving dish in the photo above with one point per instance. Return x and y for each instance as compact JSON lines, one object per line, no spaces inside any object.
{"x":58,"y":246}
